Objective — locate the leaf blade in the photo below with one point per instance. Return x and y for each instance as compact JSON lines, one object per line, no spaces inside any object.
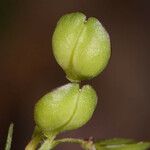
{"x":121,"y":144}
{"x":9,"y":137}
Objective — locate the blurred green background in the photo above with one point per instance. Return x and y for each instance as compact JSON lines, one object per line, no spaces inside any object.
{"x":28,"y":69}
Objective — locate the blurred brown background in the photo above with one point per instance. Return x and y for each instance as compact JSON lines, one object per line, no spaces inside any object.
{"x":28,"y":69}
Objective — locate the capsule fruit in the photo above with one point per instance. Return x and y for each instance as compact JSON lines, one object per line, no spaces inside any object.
{"x":65,"y":108}
{"x":81,"y":46}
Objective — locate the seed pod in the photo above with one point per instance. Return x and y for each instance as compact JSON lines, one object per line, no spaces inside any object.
{"x":81,"y":47}
{"x":65,"y":108}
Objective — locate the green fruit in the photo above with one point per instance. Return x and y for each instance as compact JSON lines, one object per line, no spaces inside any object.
{"x":65,"y":108}
{"x":81,"y":47}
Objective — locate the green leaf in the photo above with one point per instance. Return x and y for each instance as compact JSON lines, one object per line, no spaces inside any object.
{"x":115,"y":141}
{"x":121,"y":144}
{"x":9,"y":137}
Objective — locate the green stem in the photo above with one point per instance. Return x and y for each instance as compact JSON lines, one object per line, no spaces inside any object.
{"x":87,"y":145}
{"x":48,"y":143}
{"x":36,"y":138}
{"x":32,"y":145}
{"x":69,"y":140}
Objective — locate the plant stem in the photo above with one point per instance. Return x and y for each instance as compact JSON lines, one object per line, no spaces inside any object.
{"x":33,"y":143}
{"x":85,"y":144}
{"x":70,"y":140}
{"x":36,"y":138}
{"x":48,"y":143}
